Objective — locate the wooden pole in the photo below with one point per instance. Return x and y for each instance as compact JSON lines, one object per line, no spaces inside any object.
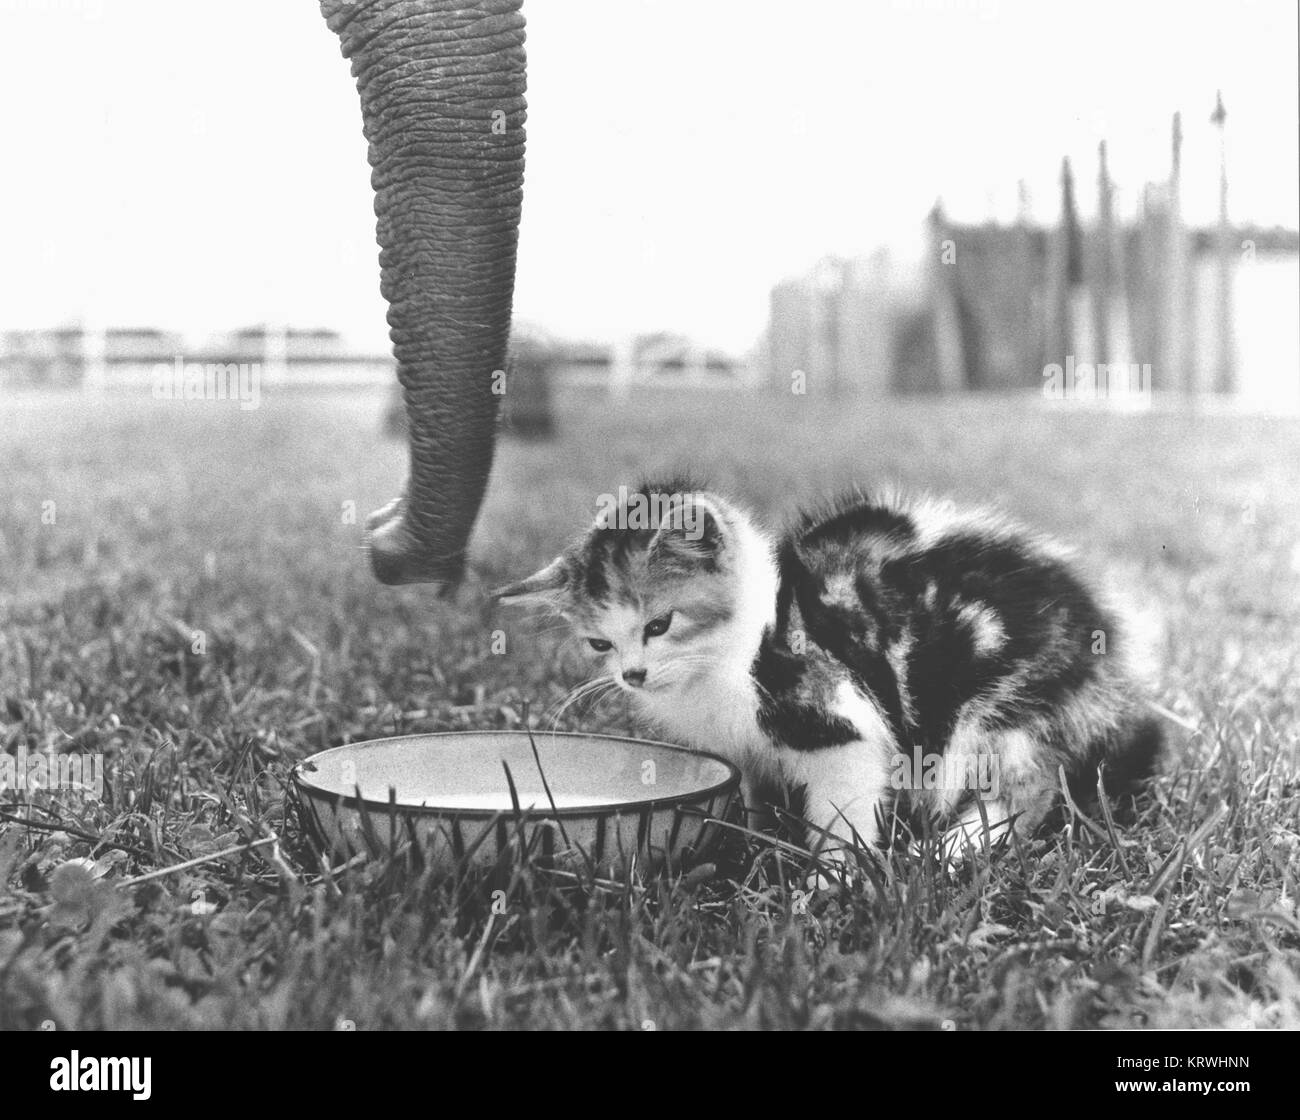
{"x":1176,"y":328}
{"x":1026,"y":275}
{"x":1147,"y":293}
{"x":623,"y":367}
{"x":1063,"y":272}
{"x":1102,"y":268}
{"x":1225,"y":378}
{"x":1109,"y":279}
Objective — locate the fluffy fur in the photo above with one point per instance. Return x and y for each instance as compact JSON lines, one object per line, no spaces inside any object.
{"x":873,"y":636}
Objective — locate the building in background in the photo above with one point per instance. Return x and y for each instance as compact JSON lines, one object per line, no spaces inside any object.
{"x":1198,"y":312}
{"x":836,"y":326}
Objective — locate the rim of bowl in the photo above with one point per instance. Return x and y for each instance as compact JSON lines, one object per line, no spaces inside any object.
{"x":546,"y":812}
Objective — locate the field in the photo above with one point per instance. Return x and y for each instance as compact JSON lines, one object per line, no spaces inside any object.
{"x":182,"y":591}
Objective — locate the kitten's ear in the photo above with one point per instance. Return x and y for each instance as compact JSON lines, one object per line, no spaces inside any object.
{"x":545,"y":583}
{"x":691,"y":536}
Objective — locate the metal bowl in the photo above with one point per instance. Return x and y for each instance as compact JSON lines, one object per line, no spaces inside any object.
{"x":584,"y":800}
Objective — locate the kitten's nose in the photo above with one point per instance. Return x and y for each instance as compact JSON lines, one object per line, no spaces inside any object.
{"x":634,"y":677}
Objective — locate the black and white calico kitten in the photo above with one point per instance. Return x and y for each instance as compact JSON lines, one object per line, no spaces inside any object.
{"x":873,"y":644}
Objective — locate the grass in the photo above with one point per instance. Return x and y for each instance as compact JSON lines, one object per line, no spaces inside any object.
{"x":199,"y":613}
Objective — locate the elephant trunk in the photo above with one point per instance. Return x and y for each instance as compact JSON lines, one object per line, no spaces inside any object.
{"x":442,"y":104}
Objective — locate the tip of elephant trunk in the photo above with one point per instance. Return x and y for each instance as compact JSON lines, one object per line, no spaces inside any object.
{"x":397,"y":557}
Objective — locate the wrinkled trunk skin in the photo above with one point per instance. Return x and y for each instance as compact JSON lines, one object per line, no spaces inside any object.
{"x":442,"y":105}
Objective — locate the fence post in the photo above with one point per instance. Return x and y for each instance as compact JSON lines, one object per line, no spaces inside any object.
{"x":1224,"y":371}
{"x":1108,"y":270}
{"x":622,"y":366}
{"x":275,"y":353}
{"x":1177,"y":341}
{"x":1101,"y":265}
{"x":1064,"y":271}
{"x":1026,"y":275}
{"x":94,"y":355}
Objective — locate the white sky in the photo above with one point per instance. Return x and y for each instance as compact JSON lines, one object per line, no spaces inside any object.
{"x":200,"y":166}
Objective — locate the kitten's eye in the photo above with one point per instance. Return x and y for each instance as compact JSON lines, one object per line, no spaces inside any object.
{"x":600,"y":645}
{"x":657,"y":626}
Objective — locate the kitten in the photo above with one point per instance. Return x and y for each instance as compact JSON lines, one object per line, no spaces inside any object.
{"x":882,"y":655}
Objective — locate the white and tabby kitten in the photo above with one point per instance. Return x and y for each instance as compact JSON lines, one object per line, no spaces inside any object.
{"x":875,"y":633}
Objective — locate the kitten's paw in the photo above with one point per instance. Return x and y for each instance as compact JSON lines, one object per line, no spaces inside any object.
{"x":951,"y":854}
{"x":969,"y":835}
{"x":839,"y":870}
{"x":820,"y":881}
{"x":832,"y":871}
